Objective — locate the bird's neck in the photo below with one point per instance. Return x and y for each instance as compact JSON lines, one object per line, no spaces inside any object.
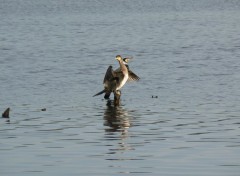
{"x":123,"y":67}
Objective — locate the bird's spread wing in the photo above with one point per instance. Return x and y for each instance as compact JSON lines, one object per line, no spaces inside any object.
{"x":109,"y":74}
{"x":132,"y":76}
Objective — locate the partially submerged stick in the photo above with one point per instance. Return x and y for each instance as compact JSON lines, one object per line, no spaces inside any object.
{"x":5,"y":114}
{"x":117,"y":95}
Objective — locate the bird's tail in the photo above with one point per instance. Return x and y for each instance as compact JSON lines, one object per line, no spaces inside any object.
{"x":99,"y":93}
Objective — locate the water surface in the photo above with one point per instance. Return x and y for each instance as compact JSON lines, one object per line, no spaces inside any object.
{"x":54,"y":55}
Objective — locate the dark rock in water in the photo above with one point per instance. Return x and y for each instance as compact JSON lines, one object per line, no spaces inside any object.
{"x":5,"y":114}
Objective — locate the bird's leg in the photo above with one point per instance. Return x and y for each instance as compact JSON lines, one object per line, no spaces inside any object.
{"x":117,"y":95}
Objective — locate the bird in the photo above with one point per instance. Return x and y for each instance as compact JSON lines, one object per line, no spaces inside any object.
{"x":114,"y":80}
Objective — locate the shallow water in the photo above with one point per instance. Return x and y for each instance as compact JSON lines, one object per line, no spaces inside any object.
{"x":54,"y":55}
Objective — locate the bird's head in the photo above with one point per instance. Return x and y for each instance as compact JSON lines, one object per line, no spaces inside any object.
{"x":126,"y":60}
{"x":118,"y":57}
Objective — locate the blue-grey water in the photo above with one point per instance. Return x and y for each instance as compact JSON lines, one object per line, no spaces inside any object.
{"x":54,"y":54}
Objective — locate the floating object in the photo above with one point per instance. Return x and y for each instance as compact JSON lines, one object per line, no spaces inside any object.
{"x":43,"y":109}
{"x":154,"y":96}
{"x":5,"y":114}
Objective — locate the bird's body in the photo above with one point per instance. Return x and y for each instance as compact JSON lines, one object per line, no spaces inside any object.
{"x":114,"y":80}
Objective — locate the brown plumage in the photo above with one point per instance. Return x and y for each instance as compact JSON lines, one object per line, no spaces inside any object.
{"x":114,"y":80}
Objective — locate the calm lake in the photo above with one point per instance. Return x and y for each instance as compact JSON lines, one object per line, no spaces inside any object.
{"x":181,"y":118}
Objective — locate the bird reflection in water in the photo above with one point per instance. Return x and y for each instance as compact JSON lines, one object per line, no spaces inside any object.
{"x":117,"y":119}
